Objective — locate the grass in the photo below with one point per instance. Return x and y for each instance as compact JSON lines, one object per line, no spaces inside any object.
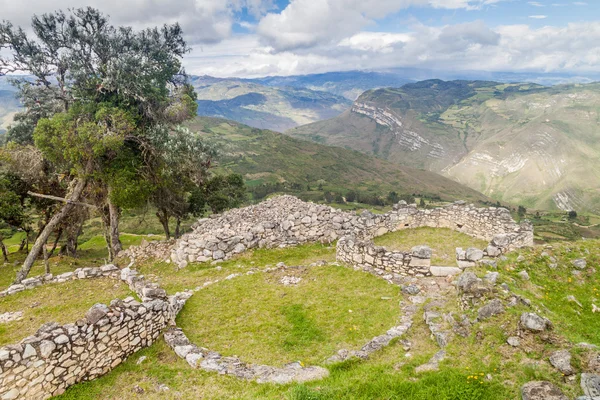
{"x":443,"y":242}
{"x":258,"y":318}
{"x":60,"y":302}
{"x":262,"y":321}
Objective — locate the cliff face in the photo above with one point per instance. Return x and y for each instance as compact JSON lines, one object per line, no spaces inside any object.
{"x":520,"y":143}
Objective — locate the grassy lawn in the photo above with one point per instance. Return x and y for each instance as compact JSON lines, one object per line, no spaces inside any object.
{"x":59,"y":302}
{"x":263,"y":321}
{"x":443,"y":242}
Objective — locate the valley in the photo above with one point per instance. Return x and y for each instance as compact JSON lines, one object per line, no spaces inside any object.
{"x":520,"y":143}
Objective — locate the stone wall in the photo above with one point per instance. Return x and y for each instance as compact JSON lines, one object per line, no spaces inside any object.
{"x":109,"y":270}
{"x":56,"y":357}
{"x":278,"y":222}
{"x":363,"y":253}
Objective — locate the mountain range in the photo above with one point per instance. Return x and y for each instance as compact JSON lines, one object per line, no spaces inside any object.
{"x":521,"y":143}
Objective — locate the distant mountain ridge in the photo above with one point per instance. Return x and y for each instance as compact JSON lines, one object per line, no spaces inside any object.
{"x":521,"y":143}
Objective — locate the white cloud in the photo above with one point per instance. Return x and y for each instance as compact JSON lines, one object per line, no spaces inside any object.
{"x":538,"y":16}
{"x":471,"y":46}
{"x":535,"y":4}
{"x":203,"y":21}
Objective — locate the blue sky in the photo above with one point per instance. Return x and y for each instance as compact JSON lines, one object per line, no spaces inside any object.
{"x":250,"y":38}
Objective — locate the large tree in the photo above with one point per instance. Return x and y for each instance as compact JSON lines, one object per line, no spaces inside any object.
{"x":96,"y":95}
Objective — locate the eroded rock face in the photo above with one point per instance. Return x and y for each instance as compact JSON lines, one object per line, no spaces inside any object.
{"x":492,"y":308}
{"x":590,"y":383}
{"x":541,"y":390}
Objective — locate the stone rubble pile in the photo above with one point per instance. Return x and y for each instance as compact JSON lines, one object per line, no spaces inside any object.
{"x":55,"y":357}
{"x":278,"y":222}
{"x":198,"y":357}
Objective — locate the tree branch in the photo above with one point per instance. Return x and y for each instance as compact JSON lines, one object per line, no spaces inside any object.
{"x":61,"y":199}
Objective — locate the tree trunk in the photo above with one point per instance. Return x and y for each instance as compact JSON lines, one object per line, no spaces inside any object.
{"x":58,"y":236}
{"x":73,"y":232}
{"x":178,"y":228}
{"x":163,"y":217}
{"x":22,"y":245}
{"x":46,"y":262}
{"x":48,"y":229}
{"x":105,"y":214}
{"x":4,"y":251}
{"x":115,"y":242}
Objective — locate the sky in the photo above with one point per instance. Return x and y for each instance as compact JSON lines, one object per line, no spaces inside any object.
{"x":254,"y":38}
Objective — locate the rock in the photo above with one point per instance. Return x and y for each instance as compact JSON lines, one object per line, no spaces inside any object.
{"x":473,"y":254}
{"x":561,"y":360}
{"x":218,"y":255}
{"x":513,"y":341}
{"x":96,"y":313}
{"x":468,"y":282}
{"x":411,"y":290}
{"x":541,"y":390}
{"x":492,"y":308}
{"x":524,"y":275}
{"x":521,"y":258}
{"x":492,"y":277}
{"x":290,"y":280}
{"x":444,"y":271}
{"x":572,"y":299}
{"x":141,"y":360}
{"x":580,"y":263}
{"x":493,"y":251}
{"x":534,"y":322}
{"x":590,"y":383}
{"x":421,"y":252}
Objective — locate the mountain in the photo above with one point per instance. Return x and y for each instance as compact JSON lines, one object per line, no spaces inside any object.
{"x":9,"y":105}
{"x":266,"y":157}
{"x":349,"y":84}
{"x":265,"y":107}
{"x":520,"y":143}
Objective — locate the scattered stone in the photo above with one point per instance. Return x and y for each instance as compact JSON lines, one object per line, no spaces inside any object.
{"x":141,"y":360}
{"x":524,"y":275}
{"x":561,"y":360}
{"x":534,"y":322}
{"x":411,"y":289}
{"x":290,"y":280}
{"x":572,"y":299}
{"x":433,"y":363}
{"x":492,"y":308}
{"x":513,"y":341}
{"x":541,"y":390}
{"x":580,"y":263}
{"x":590,"y":383}
{"x":492,"y":277}
{"x":521,"y":258}
{"x":10,"y":317}
{"x":138,"y":390}
{"x":473,"y":254}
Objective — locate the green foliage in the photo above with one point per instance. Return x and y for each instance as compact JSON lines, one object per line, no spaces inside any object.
{"x":219,"y":193}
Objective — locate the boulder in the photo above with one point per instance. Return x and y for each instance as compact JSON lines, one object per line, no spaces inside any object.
{"x":541,"y":390}
{"x":590,"y":383}
{"x":421,"y":252}
{"x":96,"y":313}
{"x":561,"y":360}
{"x":580,"y":263}
{"x":534,"y":322}
{"x":473,"y":254}
{"x":492,"y":308}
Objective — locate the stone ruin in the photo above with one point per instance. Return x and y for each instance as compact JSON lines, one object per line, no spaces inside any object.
{"x":55,"y":357}
{"x":288,"y":221}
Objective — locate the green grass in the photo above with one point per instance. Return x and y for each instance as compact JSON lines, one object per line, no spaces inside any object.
{"x":256,"y":317}
{"x":443,"y":242}
{"x":59,"y":302}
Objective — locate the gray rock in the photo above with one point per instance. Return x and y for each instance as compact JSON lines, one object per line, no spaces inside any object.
{"x":590,"y":383}
{"x":524,"y":275}
{"x":421,"y":252}
{"x":411,"y":289}
{"x":580,"y":263}
{"x":473,"y":254}
{"x":521,"y":258}
{"x":492,"y":277}
{"x":492,"y":308}
{"x":541,"y":390}
{"x":534,"y":322}
{"x":561,"y":360}
{"x":513,"y":341}
{"x":96,"y":313}
{"x":218,"y":255}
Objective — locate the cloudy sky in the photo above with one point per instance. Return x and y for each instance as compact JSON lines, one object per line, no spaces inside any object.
{"x":251,"y":38}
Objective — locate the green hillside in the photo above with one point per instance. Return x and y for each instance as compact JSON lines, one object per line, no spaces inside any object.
{"x":521,"y":143}
{"x":266,"y":157}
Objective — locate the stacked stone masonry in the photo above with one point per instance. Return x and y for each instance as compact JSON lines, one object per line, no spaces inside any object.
{"x":56,"y":357}
{"x":287,"y":221}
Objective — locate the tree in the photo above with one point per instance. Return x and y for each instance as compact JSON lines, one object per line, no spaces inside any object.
{"x":11,"y":209}
{"x":572,"y":214}
{"x":422,"y":203}
{"x":521,"y":211}
{"x":107,"y":93}
{"x":351,"y":196}
{"x":393,"y":197}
